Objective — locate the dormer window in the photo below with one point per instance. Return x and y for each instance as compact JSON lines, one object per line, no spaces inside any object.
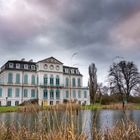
{"x":33,"y":67}
{"x":72,"y":71}
{"x":25,"y":66}
{"x":77,"y":71}
{"x":18,"y":66}
{"x":11,"y":65}
{"x":66,"y":70}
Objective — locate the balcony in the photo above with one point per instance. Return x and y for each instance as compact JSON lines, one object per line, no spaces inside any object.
{"x":51,"y":85}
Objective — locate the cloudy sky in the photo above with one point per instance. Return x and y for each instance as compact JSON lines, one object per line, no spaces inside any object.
{"x":98,"y":30}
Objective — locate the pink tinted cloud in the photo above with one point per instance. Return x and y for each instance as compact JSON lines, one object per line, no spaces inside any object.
{"x":127,"y":33}
{"x":22,"y":20}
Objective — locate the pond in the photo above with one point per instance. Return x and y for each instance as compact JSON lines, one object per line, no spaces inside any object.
{"x":105,"y":118}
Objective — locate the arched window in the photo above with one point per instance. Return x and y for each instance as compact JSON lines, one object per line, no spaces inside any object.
{"x":33,"y":79}
{"x":25,"y":79}
{"x":73,"y":82}
{"x":57,"y":94}
{"x":51,"y":80}
{"x":45,"y":79}
{"x":67,"y":82}
{"x":17,"y":78}
{"x":45,"y":94}
{"x":79,"y":82}
{"x":10,"y":78}
{"x":57,"y":80}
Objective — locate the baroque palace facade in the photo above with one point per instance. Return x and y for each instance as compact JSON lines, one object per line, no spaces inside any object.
{"x":48,"y":80}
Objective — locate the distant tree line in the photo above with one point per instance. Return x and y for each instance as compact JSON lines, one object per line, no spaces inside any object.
{"x":123,"y":81}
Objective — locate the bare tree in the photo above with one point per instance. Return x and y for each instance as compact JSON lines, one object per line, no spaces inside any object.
{"x":124,"y":77}
{"x":93,"y":82}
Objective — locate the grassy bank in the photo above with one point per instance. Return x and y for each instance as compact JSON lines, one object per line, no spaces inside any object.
{"x":8,"y":109}
{"x":63,"y":107}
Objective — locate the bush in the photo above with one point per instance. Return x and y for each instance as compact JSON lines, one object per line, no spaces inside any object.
{"x":110,"y":99}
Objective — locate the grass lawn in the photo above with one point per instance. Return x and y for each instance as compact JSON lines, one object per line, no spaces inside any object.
{"x":8,"y":108}
{"x":92,"y":107}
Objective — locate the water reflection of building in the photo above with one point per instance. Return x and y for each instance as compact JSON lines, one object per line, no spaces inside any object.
{"x":48,"y":80}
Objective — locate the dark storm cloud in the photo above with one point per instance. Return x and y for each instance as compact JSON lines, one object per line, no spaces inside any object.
{"x":96,"y":29}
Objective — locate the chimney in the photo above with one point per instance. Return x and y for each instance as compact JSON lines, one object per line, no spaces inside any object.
{"x":31,"y":60}
{"x":23,"y":59}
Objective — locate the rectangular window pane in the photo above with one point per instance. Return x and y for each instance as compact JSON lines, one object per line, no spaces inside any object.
{"x":33,"y":80}
{"x":85,"y":94}
{"x":67,"y":94}
{"x":57,"y":94}
{"x":79,"y":94}
{"x":33,"y":93}
{"x":51,"y":94}
{"x":25,"y":93}
{"x":9,"y":92}
{"x":17,"y":92}
{"x":74,"y":94}
{"x":17,"y":78}
{"x":0,"y":92}
{"x":10,"y":78}
{"x":45,"y":94}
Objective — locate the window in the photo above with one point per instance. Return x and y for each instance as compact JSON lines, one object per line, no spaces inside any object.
{"x":51,"y":80}
{"x":79,"y":94}
{"x":85,"y":94}
{"x":51,"y":102}
{"x":72,"y":71}
{"x":18,"y":66}
{"x":67,"y":94}
{"x":8,"y":103}
{"x":25,"y":66}
{"x":25,"y":93}
{"x":57,"y":80}
{"x":11,"y":65}
{"x":33,"y":67}
{"x":45,"y":94}
{"x":51,"y":94}
{"x":10,"y":78}
{"x":17,"y":92}
{"x":9,"y":92}
{"x":25,"y":79}
{"x":66,"y":70}
{"x":33,"y":80}
{"x":17,"y":78}
{"x":73,"y":82}
{"x":33,"y":93}
{"x":79,"y":82}
{"x":0,"y":92}
{"x":67,"y":82}
{"x":57,"y":94}
{"x":74,"y":94}
{"x":16,"y":103}
{"x":45,"y":79}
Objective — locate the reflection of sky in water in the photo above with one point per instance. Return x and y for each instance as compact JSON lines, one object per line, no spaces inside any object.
{"x":105,"y":118}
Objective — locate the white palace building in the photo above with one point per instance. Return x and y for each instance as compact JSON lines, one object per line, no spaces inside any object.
{"x":48,"y":81}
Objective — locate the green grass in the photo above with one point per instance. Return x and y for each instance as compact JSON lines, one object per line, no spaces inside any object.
{"x":136,"y":106}
{"x":8,"y":108}
{"x":92,"y":107}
